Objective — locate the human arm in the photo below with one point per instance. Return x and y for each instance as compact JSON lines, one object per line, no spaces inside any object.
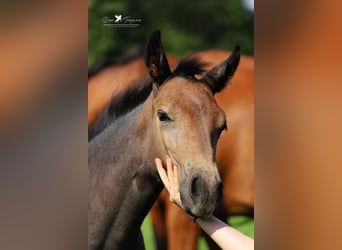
{"x":225,"y":236}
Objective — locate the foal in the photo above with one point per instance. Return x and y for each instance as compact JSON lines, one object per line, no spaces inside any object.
{"x":174,"y":115}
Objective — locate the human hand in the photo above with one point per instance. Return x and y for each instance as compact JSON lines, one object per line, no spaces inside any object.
{"x":170,"y":180}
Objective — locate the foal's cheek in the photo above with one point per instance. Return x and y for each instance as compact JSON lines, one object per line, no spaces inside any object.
{"x":170,"y":142}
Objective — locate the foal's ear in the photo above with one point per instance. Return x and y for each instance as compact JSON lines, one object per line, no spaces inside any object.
{"x":155,"y":59}
{"x":217,"y":78}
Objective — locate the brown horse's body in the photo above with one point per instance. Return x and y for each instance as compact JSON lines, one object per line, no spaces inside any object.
{"x":235,"y":160}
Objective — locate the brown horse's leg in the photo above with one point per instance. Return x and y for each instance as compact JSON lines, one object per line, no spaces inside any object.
{"x":158,"y":219}
{"x":182,"y":232}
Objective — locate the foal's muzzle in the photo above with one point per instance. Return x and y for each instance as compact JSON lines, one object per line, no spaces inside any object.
{"x":201,"y":194}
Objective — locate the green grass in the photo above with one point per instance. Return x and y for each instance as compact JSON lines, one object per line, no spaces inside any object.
{"x":148,"y":234}
{"x":241,"y":223}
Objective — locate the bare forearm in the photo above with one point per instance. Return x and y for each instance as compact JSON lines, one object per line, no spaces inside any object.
{"x":225,"y":236}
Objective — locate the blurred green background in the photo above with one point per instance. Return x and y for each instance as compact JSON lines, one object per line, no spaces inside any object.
{"x":186,"y":26}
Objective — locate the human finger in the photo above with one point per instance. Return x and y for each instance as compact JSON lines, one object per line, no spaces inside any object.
{"x":172,"y":174}
{"x":162,"y":173}
{"x":169,"y":169}
{"x":175,"y":180}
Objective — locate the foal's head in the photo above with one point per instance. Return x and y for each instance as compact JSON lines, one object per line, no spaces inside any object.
{"x":187,"y":123}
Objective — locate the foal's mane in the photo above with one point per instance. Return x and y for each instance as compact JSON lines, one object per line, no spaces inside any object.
{"x":138,"y":91}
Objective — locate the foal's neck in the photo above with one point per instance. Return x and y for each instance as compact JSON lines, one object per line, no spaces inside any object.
{"x":124,"y":186}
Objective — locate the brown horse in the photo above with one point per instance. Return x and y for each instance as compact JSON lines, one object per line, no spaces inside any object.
{"x":176,"y":116}
{"x":235,"y":153}
{"x":112,"y":76}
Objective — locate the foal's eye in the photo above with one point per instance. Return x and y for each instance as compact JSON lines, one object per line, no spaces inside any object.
{"x":162,"y":115}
